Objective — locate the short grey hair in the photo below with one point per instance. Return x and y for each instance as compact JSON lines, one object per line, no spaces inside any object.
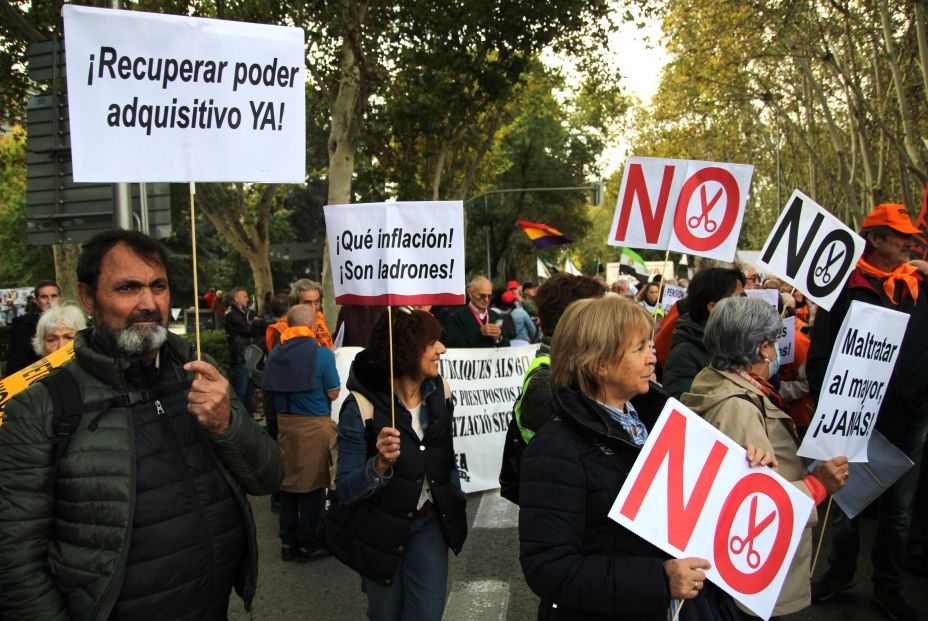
{"x":736,"y":329}
{"x":476,"y":280}
{"x":68,"y":314}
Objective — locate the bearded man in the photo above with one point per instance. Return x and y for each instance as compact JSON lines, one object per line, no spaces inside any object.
{"x":124,"y":473}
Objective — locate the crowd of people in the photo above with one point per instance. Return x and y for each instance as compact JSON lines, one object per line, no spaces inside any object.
{"x":124,"y":473}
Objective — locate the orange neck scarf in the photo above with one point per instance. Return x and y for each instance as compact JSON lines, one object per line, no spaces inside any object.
{"x":902,"y":273}
{"x":297,"y":331}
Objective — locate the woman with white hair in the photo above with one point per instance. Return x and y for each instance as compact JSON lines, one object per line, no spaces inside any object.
{"x":57,"y":327}
{"x":734,"y":395}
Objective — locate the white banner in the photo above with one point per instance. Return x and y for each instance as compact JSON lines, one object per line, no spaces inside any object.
{"x":169,"y":98}
{"x":811,"y":250}
{"x":786,"y":341}
{"x":687,"y":206}
{"x":708,"y":503}
{"x":855,"y":383}
{"x":397,"y":253}
{"x":672,"y":294}
{"x":484,"y":385}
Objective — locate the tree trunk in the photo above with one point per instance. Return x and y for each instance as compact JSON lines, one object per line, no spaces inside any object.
{"x":345,"y":114}
{"x":439,"y":168}
{"x":908,"y":127}
{"x":65,"y":256}
{"x":247,"y":231}
{"x":921,"y":15}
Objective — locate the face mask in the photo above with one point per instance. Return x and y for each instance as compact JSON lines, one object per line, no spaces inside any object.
{"x":774,"y":366}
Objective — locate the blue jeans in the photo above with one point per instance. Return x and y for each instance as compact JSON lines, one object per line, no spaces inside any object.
{"x":421,"y":579}
{"x":299,"y":517}
{"x":243,"y":387}
{"x":894,"y":511}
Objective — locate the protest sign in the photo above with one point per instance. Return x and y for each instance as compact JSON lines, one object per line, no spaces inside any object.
{"x":708,"y":503}
{"x":484,"y":386}
{"x":397,"y":253}
{"x":173,"y":98}
{"x":664,"y":269}
{"x":786,"y":341}
{"x":855,"y":382}
{"x":687,"y":206}
{"x":672,"y":294}
{"x":21,"y":380}
{"x":811,"y":250}
{"x":867,"y":481}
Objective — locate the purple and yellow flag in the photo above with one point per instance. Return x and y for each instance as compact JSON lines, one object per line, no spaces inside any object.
{"x":542,"y":235}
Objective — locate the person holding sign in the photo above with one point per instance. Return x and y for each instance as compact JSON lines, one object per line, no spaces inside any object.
{"x":735,"y":396}
{"x":402,"y":504}
{"x":134,"y":502}
{"x":579,"y":562}
{"x":884,"y":278}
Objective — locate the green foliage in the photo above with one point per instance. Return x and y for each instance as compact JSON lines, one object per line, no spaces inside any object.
{"x":213,"y":343}
{"x":20,"y":263}
{"x":817,"y":95}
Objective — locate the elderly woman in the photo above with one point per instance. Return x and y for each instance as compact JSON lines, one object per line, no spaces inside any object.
{"x":402,"y":506}
{"x":57,"y":327}
{"x":582,"y":564}
{"x":734,"y":395}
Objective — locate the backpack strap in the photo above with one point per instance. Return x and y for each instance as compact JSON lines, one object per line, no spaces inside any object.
{"x":364,"y":406}
{"x":67,"y":408}
{"x":64,"y":392}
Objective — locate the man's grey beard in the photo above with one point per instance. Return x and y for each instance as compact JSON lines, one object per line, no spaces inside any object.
{"x":135,"y":339}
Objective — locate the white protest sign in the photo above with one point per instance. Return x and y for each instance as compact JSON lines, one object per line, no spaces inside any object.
{"x":687,"y":206}
{"x":786,"y":341}
{"x":707,"y":502}
{"x":811,"y":250}
{"x":397,"y":253}
{"x":672,"y":294}
{"x":855,"y":382}
{"x":485,"y":383}
{"x":664,"y":269}
{"x":169,"y":98}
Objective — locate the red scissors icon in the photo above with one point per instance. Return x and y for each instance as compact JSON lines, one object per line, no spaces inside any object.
{"x":738,"y":545}
{"x":707,"y":205}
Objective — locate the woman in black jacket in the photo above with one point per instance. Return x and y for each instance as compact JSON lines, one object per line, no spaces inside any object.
{"x":402,"y":506}
{"x":582,"y":564}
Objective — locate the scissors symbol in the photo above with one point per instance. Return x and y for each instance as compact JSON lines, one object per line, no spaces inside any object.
{"x":738,"y":545}
{"x":707,"y":206}
{"x":824,"y":271}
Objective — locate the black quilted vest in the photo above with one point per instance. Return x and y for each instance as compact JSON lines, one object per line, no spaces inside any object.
{"x":188,"y":538}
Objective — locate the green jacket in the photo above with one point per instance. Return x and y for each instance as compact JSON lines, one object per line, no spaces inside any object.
{"x":63,"y":551}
